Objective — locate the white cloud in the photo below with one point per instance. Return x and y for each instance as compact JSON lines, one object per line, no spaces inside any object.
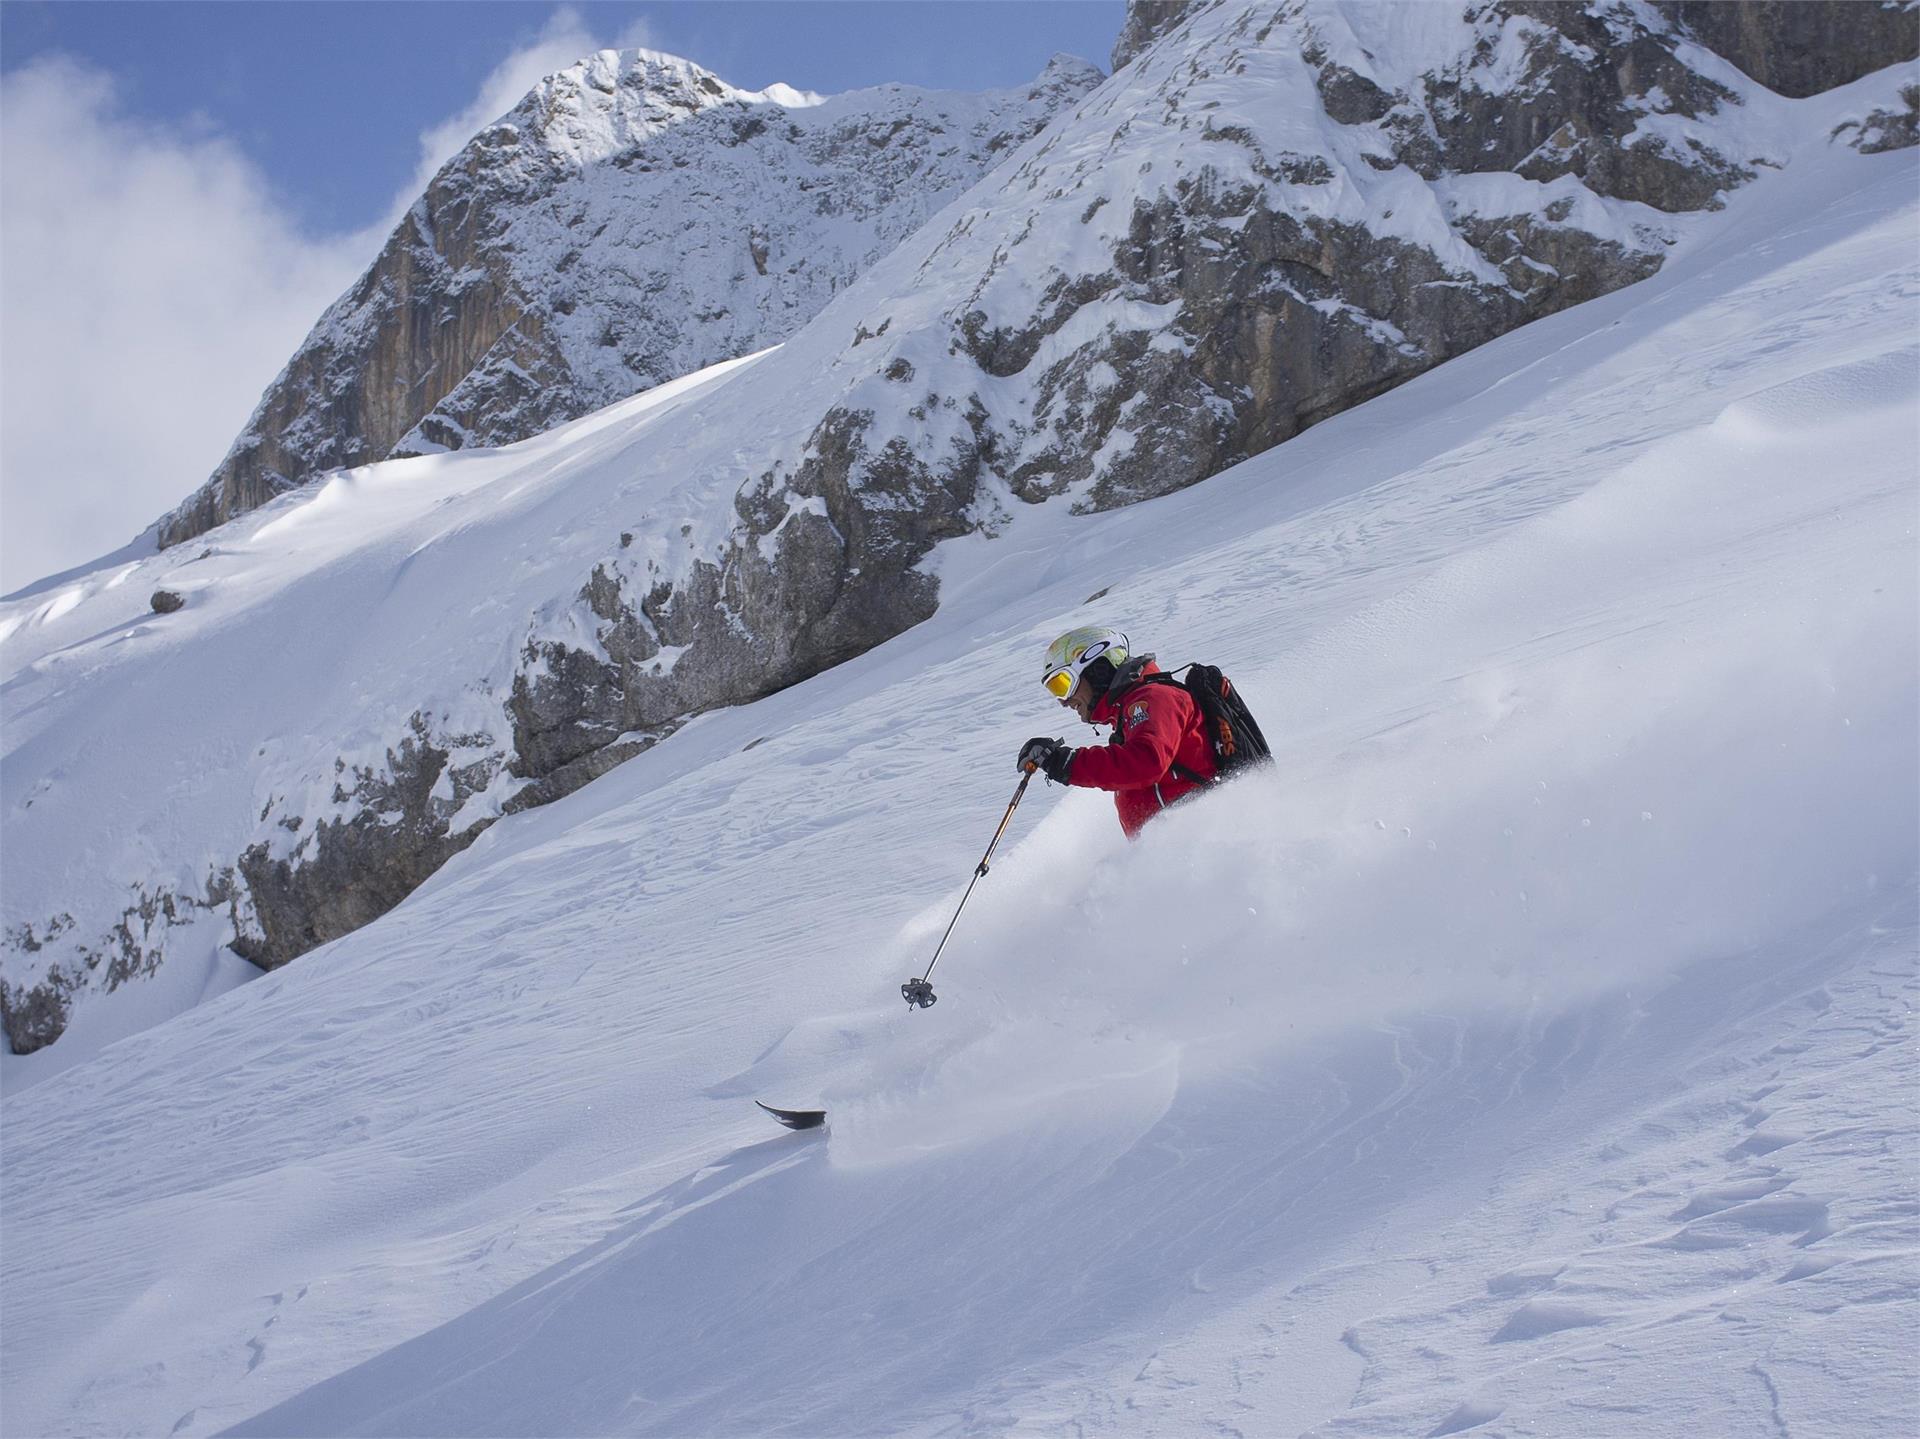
{"x":151,"y":287}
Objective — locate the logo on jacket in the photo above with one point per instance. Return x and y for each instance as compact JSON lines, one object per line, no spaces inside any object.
{"x":1137,"y":714}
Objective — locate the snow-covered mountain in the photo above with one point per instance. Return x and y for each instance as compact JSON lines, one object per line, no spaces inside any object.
{"x":1268,"y":213}
{"x":634,"y":219}
{"x":1531,"y":1052}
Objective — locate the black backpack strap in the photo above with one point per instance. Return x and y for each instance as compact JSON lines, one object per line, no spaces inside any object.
{"x":1164,"y":678}
{"x":1189,"y":775}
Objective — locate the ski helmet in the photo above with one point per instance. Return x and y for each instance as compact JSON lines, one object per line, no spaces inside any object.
{"x":1069,"y":656}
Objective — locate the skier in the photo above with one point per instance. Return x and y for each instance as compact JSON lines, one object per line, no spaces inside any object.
{"x":1157,"y":755}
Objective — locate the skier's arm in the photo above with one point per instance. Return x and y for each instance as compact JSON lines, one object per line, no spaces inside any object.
{"x":1141,"y":759}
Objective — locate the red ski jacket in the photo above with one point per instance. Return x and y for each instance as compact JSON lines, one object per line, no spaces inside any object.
{"x":1155,"y":727}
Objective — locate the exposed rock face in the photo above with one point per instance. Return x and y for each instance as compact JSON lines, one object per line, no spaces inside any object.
{"x":1802,"y":47}
{"x":397,"y":829}
{"x":1592,"y":77}
{"x":633,"y":219}
{"x":1892,"y":128}
{"x":37,"y":1016}
{"x":134,"y":945}
{"x":1273,"y":212}
{"x":1147,"y":21}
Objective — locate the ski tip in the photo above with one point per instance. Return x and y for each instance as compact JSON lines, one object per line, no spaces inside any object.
{"x":796,"y":1118}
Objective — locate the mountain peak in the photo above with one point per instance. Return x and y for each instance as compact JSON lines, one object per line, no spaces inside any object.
{"x":604,"y":102}
{"x":1061,"y":64}
{"x":1065,"y":72}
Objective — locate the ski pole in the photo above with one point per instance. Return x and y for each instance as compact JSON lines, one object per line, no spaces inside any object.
{"x":918,"y":993}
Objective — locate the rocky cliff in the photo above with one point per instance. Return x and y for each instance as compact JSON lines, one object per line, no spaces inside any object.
{"x":1802,"y":47}
{"x":1270,"y":213}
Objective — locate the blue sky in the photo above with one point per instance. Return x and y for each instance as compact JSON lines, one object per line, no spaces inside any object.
{"x":329,"y":95}
{"x":184,"y":187}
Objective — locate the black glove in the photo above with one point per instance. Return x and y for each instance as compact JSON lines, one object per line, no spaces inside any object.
{"x":1052,"y":756}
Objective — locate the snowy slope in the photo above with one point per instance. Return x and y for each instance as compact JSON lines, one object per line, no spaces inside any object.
{"x":480,"y":632}
{"x":1530,"y":1053}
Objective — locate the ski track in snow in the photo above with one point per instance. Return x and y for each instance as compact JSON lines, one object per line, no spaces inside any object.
{"x":1538,"y":1057}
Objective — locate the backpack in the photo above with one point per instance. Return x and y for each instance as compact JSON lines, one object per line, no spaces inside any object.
{"x":1225,"y":720}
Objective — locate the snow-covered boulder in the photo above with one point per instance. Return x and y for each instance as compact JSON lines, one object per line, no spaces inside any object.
{"x":1887,"y":127}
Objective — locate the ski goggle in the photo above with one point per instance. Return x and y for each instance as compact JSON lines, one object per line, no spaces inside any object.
{"x":1060,"y":683}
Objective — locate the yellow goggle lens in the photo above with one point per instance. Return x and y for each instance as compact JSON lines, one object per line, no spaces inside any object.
{"x":1060,"y":684}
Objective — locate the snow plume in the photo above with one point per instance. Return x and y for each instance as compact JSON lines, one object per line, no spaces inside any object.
{"x":1587,"y":806}
{"x":1571,"y":844}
